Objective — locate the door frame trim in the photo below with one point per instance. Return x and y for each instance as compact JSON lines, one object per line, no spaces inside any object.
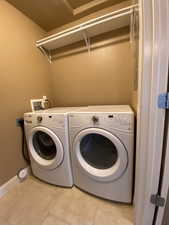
{"x":153,"y":77}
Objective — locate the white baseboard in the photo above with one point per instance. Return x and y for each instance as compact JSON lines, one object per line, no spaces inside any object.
{"x":11,"y":184}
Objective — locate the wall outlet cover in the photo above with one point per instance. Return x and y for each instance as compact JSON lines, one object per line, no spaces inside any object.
{"x":19,"y":121}
{"x":23,"y":174}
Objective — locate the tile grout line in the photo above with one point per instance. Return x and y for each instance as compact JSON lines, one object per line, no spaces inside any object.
{"x":59,"y":219}
{"x":48,"y":213}
{"x":44,"y":218}
{"x":97,"y":208}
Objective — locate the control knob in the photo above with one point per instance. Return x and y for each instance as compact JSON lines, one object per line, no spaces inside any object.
{"x":95,"y":119}
{"x":39,"y":119}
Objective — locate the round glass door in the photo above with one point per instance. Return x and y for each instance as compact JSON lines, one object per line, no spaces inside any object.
{"x":100,"y":154}
{"x":98,"y":151}
{"x":45,"y":147}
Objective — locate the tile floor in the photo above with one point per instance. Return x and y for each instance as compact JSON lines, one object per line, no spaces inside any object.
{"x":36,"y":203}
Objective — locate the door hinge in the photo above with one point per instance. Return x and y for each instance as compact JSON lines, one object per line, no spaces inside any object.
{"x":157,"y":200}
{"x":163,"y":101}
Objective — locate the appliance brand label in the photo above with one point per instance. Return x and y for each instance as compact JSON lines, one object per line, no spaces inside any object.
{"x":28,"y":121}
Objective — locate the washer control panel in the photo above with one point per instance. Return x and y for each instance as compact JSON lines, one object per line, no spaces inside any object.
{"x":47,"y":119}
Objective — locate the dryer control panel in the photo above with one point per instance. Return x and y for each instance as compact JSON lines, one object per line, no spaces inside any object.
{"x":119,"y":121}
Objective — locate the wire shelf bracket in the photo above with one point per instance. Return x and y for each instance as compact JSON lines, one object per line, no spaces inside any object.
{"x":46,"y":53}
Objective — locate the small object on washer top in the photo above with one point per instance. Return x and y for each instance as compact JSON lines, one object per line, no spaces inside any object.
{"x":36,"y":104}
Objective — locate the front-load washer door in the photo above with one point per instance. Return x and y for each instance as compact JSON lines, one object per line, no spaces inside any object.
{"x":100,"y":154}
{"x":45,"y":148}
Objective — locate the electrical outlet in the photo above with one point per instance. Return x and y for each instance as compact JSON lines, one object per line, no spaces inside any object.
{"x":19,"y":122}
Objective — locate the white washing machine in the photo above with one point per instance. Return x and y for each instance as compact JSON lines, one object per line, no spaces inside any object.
{"x":101,"y":143}
{"x":48,"y":144}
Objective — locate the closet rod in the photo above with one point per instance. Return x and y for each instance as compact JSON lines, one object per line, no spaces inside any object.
{"x":88,"y":24}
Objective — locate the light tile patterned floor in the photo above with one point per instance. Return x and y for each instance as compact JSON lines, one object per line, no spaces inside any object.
{"x":36,"y":203}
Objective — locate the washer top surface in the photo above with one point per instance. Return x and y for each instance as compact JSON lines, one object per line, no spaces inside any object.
{"x":58,"y":110}
{"x":63,"y":109}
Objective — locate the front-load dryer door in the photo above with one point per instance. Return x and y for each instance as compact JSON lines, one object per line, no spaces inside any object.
{"x":100,"y":154}
{"x":45,"y":148}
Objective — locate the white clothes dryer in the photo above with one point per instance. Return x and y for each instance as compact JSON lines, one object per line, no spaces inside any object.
{"x":48,"y":145}
{"x":101,"y":143}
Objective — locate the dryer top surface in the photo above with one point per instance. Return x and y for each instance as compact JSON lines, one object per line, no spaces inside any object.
{"x":107,"y":108}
